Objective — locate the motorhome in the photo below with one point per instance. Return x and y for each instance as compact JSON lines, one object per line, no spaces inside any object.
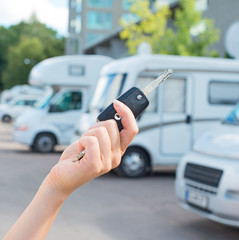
{"x":207,"y":179}
{"x":196,"y":96}
{"x":72,"y":80}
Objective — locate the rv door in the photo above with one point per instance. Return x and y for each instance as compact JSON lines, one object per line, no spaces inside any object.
{"x":175,"y":108}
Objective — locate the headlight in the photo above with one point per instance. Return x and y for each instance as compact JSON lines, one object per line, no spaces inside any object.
{"x":232,"y":194}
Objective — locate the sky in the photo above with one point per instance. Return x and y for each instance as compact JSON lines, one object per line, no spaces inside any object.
{"x":54,"y":13}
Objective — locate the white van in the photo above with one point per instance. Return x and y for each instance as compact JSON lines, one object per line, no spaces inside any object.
{"x":196,"y":96}
{"x":207,"y":181}
{"x":16,"y":106}
{"x":73,"y":80}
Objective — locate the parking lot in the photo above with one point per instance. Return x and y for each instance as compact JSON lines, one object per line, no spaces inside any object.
{"x":108,"y":208}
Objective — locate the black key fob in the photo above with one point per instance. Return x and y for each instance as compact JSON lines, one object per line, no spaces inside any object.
{"x":134,"y":98}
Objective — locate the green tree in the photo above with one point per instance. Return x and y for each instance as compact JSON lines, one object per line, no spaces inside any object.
{"x":20,"y":60}
{"x":3,"y":51}
{"x":149,"y":28}
{"x":190,"y":35}
{"x":51,"y":44}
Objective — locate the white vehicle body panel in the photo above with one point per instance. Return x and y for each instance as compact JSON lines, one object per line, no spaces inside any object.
{"x":222,"y":202}
{"x":180,"y":109}
{"x":216,"y":150}
{"x":75,"y":76}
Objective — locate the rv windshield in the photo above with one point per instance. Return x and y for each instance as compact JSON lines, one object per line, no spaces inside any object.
{"x":233,"y":117}
{"x":108,"y":88}
{"x":44,"y":101}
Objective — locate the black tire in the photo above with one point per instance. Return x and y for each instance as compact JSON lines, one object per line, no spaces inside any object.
{"x":6,"y":118}
{"x":44,"y":143}
{"x":134,"y":163}
{"x":31,"y":147}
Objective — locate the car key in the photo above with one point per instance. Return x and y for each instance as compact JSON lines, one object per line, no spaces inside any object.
{"x":135,"y":99}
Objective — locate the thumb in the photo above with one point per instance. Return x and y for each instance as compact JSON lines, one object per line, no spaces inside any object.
{"x":130,"y":127}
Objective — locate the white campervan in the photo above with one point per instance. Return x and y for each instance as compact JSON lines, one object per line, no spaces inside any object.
{"x":198,"y":93}
{"x":207,"y":179}
{"x":72,"y":80}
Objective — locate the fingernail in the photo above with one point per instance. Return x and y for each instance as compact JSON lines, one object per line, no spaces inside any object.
{"x":118,"y":103}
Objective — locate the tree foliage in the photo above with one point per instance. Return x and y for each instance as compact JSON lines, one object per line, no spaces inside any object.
{"x":30,"y":40}
{"x":182,"y":32}
{"x":21,"y":59}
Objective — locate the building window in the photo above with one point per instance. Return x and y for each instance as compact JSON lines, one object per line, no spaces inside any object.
{"x":73,"y":45}
{"x":130,"y":18}
{"x":100,"y":3}
{"x":73,"y":4}
{"x":99,"y":20}
{"x":72,"y":24}
{"x":93,"y":37}
{"x":223,"y":92}
{"x":78,"y":6}
{"x":201,"y":5}
{"x":78,"y":24}
{"x":127,"y":4}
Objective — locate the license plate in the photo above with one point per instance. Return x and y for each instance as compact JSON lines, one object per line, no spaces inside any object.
{"x":196,"y":199}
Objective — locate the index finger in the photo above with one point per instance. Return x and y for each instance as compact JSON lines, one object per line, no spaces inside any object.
{"x":130,"y":127}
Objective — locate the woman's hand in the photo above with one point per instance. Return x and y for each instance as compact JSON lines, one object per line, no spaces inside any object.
{"x":104,"y":145}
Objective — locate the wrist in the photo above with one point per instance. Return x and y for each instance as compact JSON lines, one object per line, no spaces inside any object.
{"x":52,"y":191}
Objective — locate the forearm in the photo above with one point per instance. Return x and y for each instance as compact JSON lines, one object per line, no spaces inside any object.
{"x":103,"y":145}
{"x":37,"y":219}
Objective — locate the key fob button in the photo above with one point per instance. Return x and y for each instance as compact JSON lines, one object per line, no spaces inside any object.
{"x":117,"y":117}
{"x":139,"y":97}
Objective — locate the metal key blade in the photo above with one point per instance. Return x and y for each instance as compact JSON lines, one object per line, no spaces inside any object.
{"x":151,"y":86}
{"x":79,"y":157}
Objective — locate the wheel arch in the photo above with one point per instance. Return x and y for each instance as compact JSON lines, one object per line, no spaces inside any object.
{"x":6,"y":115}
{"x":45,"y":132}
{"x":134,"y":167}
{"x":146,"y":152}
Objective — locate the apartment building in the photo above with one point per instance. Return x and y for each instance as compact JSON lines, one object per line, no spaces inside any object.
{"x":94,"y":24}
{"x":93,"y":20}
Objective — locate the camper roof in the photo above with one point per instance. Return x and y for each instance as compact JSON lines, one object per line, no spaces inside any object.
{"x":152,"y":62}
{"x":68,"y":70}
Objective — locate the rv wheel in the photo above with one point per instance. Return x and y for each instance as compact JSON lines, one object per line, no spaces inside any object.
{"x":134,"y":163}
{"x":6,"y":118}
{"x":44,"y":143}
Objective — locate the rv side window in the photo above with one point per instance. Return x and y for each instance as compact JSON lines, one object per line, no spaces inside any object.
{"x":223,"y":92}
{"x":143,"y":81}
{"x":68,"y":101}
{"x":174,"y":95}
{"x":76,"y":70}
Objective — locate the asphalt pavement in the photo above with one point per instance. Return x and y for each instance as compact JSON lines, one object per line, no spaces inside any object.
{"x":107,"y":208}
